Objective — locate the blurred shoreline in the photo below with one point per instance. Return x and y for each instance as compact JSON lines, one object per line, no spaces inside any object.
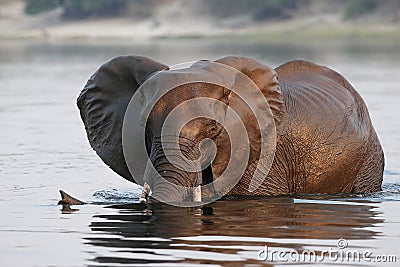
{"x":167,"y":23}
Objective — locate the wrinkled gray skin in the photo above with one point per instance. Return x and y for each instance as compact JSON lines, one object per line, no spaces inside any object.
{"x":325,"y":140}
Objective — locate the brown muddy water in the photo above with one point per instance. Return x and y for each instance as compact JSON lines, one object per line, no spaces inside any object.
{"x":43,"y":148}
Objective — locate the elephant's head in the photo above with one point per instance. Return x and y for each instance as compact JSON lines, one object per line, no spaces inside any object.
{"x":201,"y":101}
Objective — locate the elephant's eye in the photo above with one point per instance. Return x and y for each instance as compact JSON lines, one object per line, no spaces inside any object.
{"x":212,"y":131}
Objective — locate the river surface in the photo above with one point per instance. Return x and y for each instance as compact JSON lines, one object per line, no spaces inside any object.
{"x":43,"y":148}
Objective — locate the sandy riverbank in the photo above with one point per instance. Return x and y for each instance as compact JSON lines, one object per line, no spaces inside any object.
{"x":179,"y":20}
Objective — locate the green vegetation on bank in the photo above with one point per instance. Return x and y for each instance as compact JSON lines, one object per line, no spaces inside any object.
{"x":258,"y":9}
{"x":85,"y":8}
{"x":38,"y":6}
{"x":355,"y":8}
{"x":78,"y":8}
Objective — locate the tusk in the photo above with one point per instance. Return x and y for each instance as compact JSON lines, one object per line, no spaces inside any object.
{"x":197,"y":194}
{"x":145,"y":193}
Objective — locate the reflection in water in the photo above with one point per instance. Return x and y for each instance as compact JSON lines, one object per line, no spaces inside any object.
{"x":225,"y":231}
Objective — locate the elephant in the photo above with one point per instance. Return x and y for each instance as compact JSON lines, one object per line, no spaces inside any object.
{"x":325,"y":140}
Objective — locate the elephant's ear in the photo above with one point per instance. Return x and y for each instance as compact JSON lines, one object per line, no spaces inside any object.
{"x":265,"y":78}
{"x":104,"y":100}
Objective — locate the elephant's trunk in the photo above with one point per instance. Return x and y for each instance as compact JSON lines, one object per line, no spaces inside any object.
{"x":177,"y":170}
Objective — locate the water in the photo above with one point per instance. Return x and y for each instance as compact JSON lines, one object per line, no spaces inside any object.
{"x":43,"y":148}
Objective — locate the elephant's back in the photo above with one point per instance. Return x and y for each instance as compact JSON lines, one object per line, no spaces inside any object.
{"x":328,"y":123}
{"x":319,"y":96}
